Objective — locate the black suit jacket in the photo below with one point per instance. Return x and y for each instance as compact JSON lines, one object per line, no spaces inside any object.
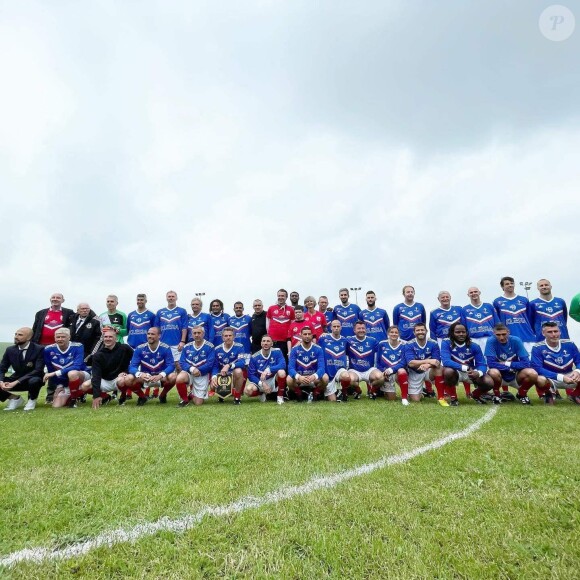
{"x":67,"y":315}
{"x":88,"y":333}
{"x":31,"y":366}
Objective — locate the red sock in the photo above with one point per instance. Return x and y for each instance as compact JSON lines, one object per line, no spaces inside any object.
{"x":156,"y":392}
{"x":344,"y":383}
{"x":524,"y":388}
{"x":129,"y":393}
{"x":166,"y":390}
{"x":505,"y":388}
{"x":316,"y":392}
{"x":105,"y":397}
{"x":236,"y":394}
{"x":569,"y":392}
{"x":357,"y":390}
{"x":281,"y":383}
{"x":147,"y":391}
{"x":73,"y":386}
{"x":496,"y":392}
{"x":476,"y":393}
{"x":298,"y":393}
{"x":452,"y":392}
{"x":371,"y":388}
{"x":138,"y":391}
{"x":182,"y":391}
{"x":429,"y":386}
{"x":467,"y":387}
{"x":440,"y":386}
{"x":574,"y":393}
{"x":404,"y":384}
{"x":255,"y":394}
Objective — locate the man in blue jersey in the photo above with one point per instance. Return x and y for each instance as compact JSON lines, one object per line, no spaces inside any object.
{"x":375,"y":318}
{"x":139,"y":322}
{"x":514,"y":312}
{"x":306,"y":370}
{"x":557,"y":362}
{"x":423,"y":362}
{"x":326,"y":310}
{"x":197,"y":361}
{"x":463,"y":361}
{"x":242,"y":323}
{"x":509,"y":364}
{"x":66,"y":369}
{"x":199,"y":318}
{"x":219,"y":319}
{"x":152,"y":366}
{"x":334,"y":346}
{"x":346,"y":313}
{"x":408,"y":313}
{"x":391,"y":362}
{"x":362,"y":352}
{"x":267,"y":372}
{"x":479,"y":318}
{"x":548,"y":308}
{"x":229,"y":361}
{"x":441,"y":319}
{"x":172,"y":322}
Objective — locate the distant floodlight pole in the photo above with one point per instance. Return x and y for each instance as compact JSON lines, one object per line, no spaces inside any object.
{"x":355,"y":290}
{"x":199,"y":294}
{"x":527,"y":286}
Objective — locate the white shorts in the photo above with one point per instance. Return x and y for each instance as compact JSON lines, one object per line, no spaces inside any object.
{"x":151,"y":384}
{"x":561,"y":384}
{"x":271,"y":383}
{"x":175,"y":352}
{"x":481,"y":341}
{"x":109,"y":386}
{"x":417,"y":380}
{"x":513,"y":383}
{"x":390,"y":382}
{"x":85,"y":376}
{"x":199,"y":385}
{"x":364,"y":375}
{"x":334,"y":384}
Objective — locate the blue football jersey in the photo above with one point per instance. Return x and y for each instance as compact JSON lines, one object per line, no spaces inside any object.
{"x":243,"y":335}
{"x":219,"y":322}
{"x":347,"y":315}
{"x":204,"y":320}
{"x":376,"y":322}
{"x":515,"y":314}
{"x":508,"y":358}
{"x":335,"y":357}
{"x":414,"y":351}
{"x":456,"y":356}
{"x":405,"y":317}
{"x":259,"y":363}
{"x":61,"y":362}
{"x":551,"y":362}
{"x":138,"y":323}
{"x":480,"y":320}
{"x":171,"y":321}
{"x":554,"y":310}
{"x":389,"y":356}
{"x":235,"y":357}
{"x":201,"y":357}
{"x":150,"y":361}
{"x":361,"y":353}
{"x":306,"y":362}
{"x":440,"y":320}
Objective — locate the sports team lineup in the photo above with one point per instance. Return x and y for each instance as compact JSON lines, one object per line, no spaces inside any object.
{"x":298,"y":352}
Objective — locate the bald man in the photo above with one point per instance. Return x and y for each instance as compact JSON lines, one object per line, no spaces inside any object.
{"x":27,"y":361}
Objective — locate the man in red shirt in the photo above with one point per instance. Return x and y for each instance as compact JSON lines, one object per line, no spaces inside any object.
{"x":46,"y":322}
{"x":279,"y":317}
{"x":296,"y":326}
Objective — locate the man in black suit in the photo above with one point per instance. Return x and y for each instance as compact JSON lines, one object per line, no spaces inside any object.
{"x":27,"y":362}
{"x":85,"y":328}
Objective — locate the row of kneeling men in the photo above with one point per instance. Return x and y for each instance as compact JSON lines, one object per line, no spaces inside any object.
{"x":331,"y":369}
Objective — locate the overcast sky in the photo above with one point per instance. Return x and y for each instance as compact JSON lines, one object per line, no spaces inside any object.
{"x":233,"y":148}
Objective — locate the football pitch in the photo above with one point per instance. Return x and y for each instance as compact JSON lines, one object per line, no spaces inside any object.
{"x":263,"y":491}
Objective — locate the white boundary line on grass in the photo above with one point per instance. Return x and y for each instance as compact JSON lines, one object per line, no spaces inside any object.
{"x":185,"y":523}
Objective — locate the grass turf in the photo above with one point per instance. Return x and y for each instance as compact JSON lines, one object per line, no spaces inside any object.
{"x":502,"y":503}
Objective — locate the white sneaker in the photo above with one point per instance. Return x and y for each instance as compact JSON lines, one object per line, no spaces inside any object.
{"x":405,"y":402}
{"x":280,"y":400}
{"x":262,"y":398}
{"x":14,"y":404}
{"x":30,"y":405}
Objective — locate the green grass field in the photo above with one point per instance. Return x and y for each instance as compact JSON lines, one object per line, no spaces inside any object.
{"x":502,"y":502}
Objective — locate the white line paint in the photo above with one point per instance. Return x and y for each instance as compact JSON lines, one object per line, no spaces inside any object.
{"x":185,"y":523}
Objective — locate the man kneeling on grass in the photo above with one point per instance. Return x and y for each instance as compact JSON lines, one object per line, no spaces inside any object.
{"x":110,"y":368}
{"x":267,"y":372}
{"x":152,"y":366}
{"x":306,"y":370}
{"x":197,"y":360}
{"x":66,"y":368}
{"x":463,"y":361}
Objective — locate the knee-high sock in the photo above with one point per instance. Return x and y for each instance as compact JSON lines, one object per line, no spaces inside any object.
{"x":182,"y":391}
{"x":73,"y":386}
{"x":298,"y":393}
{"x":429,"y":385}
{"x":166,"y":388}
{"x":452,"y":392}
{"x":467,"y":387}
{"x":344,"y":383}
{"x":281,"y":384}
{"x":440,"y":387}
{"x":404,"y":384}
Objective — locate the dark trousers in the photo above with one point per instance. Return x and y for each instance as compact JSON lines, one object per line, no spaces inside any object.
{"x":33,"y":387}
{"x":283,"y":346}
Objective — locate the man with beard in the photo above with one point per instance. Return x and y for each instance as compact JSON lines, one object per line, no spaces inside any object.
{"x":219,"y":320}
{"x":375,"y":318}
{"x":267,"y":372}
{"x":346,"y":313}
